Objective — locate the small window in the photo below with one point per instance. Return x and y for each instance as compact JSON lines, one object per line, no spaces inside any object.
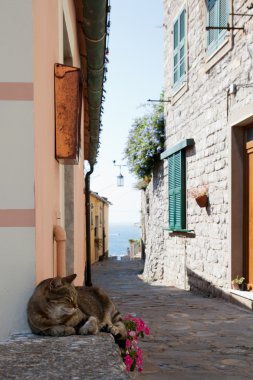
{"x":177,"y":209}
{"x":91,"y":214}
{"x":176,"y":156}
{"x":217,"y":13}
{"x":179,"y":48}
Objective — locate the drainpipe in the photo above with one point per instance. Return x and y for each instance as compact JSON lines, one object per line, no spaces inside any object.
{"x":60,"y":238}
{"x":87,"y":274}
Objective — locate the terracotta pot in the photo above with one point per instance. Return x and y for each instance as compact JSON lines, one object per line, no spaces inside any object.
{"x":235,"y":286}
{"x":202,"y":201}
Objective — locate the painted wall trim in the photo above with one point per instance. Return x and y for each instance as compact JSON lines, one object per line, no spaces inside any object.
{"x":179,"y":146}
{"x":17,"y":218}
{"x":16,"y":91}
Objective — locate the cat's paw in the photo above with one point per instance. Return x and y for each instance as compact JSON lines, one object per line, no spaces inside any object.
{"x":118,"y":331}
{"x":60,"y":331}
{"x":114,"y":330}
{"x":90,"y":327}
{"x":69,"y":330}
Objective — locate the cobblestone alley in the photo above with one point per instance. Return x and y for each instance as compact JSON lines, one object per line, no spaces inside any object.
{"x":191,"y":337}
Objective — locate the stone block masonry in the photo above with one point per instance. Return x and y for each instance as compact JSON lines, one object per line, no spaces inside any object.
{"x":91,"y":357}
{"x":199,"y":110}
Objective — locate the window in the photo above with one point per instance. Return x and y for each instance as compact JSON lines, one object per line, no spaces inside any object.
{"x":217,"y":17}
{"x":179,"y":65}
{"x":176,"y":166}
{"x":177,"y":184}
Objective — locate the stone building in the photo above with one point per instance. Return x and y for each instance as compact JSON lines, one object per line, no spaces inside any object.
{"x":209,"y":140}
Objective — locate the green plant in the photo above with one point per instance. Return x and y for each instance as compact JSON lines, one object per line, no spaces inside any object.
{"x":238,"y":280}
{"x":136,"y":328}
{"x":146,"y":141}
{"x":199,"y":191}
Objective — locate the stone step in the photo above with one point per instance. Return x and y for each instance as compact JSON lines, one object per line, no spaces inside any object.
{"x":242,"y":297}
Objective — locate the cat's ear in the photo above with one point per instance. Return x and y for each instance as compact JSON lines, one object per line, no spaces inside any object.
{"x":55,"y":283}
{"x":69,"y":279}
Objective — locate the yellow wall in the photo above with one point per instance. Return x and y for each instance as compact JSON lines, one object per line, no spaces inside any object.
{"x":99,"y":227}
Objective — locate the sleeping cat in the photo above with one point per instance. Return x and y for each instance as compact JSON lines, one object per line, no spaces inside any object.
{"x":58,"y":308}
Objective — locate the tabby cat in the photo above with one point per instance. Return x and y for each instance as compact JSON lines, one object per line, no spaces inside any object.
{"x":58,"y":308}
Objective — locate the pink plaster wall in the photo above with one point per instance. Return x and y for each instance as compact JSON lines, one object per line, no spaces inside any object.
{"x":47,"y":187}
{"x":79,"y":219}
{"x":46,"y":43}
{"x":79,"y":203}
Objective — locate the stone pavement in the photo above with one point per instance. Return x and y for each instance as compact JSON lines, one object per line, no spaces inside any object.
{"x":191,"y":337}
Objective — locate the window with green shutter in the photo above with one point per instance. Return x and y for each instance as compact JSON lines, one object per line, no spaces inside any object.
{"x":176,"y":156}
{"x":217,"y":17}
{"x":176,"y":167}
{"x":179,"y":49}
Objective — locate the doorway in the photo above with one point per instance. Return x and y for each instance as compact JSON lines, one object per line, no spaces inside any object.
{"x":248,"y":206}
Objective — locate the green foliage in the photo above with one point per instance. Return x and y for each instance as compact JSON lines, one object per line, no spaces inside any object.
{"x":146,"y":141}
{"x":238,"y":280}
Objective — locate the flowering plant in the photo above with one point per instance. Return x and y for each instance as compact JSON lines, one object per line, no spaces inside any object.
{"x":145,"y":142}
{"x":136,"y":328}
{"x":199,"y":191}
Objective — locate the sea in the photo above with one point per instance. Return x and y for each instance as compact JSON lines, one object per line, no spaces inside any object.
{"x":119,"y":236}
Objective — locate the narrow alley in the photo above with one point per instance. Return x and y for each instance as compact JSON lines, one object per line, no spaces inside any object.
{"x":191,"y":337}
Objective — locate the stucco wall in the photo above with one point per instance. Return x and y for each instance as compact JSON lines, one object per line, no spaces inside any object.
{"x":201,"y":111}
{"x":54,"y":198}
{"x":17,"y":222}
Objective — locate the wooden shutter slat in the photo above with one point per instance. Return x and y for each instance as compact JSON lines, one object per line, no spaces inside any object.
{"x":179,"y":48}
{"x":176,"y":183}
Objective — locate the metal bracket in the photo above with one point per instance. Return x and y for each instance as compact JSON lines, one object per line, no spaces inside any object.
{"x":160,"y":101}
{"x":228,"y":27}
{"x":241,"y":14}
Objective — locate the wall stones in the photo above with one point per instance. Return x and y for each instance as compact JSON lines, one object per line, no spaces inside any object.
{"x":200,"y":261}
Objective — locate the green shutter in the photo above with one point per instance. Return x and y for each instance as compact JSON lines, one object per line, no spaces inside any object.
{"x":217,"y":16}
{"x":179,"y":48}
{"x":212,"y":21}
{"x":176,"y":167}
{"x":171,"y":192}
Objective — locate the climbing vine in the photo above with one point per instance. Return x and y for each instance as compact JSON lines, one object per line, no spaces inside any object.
{"x":146,"y":141}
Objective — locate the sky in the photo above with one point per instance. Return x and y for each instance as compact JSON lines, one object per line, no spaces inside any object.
{"x":135,"y":74}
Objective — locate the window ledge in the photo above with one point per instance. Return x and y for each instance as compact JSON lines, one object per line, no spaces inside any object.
{"x":216,"y":56}
{"x":179,"y":92}
{"x":179,"y":230}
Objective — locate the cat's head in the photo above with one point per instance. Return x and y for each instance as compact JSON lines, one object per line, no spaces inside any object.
{"x":61,"y":295}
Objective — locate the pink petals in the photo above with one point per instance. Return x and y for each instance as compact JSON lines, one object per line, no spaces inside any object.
{"x":136,"y":328}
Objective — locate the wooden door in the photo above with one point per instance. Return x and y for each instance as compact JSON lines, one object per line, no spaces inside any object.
{"x":249,"y":212}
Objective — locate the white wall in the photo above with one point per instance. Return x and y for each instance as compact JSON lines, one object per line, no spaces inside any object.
{"x":17,"y":278}
{"x":17,"y":155}
{"x":17,"y":243}
{"x":16,"y":40}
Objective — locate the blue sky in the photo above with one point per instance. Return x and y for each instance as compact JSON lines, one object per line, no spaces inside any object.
{"x":135,"y":74}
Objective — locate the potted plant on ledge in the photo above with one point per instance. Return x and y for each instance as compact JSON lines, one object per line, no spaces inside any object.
{"x":238,"y":283}
{"x":200,"y":194}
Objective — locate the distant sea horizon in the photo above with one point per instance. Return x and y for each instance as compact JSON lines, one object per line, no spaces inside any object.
{"x":119,"y":236}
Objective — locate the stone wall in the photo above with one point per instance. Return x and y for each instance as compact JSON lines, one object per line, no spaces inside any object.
{"x":200,"y":260}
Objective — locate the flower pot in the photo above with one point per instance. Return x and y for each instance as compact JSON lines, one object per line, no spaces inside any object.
{"x":202,"y":201}
{"x":235,"y":286}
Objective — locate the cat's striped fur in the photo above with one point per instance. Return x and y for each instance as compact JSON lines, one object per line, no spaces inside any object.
{"x":59,"y":308}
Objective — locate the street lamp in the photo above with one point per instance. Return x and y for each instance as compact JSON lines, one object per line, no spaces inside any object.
{"x":120,"y":177}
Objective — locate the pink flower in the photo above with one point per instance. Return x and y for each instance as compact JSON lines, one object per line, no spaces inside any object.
{"x":136,"y":328}
{"x":128,"y":362}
